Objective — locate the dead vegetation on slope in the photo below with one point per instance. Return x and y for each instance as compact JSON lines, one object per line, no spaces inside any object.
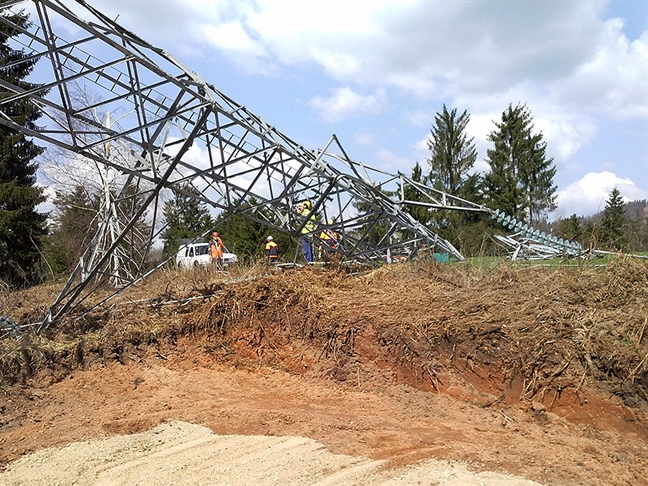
{"x":523,"y":333}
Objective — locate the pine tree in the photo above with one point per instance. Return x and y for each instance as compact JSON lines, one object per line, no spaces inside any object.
{"x":633,"y":234}
{"x":21,"y":226}
{"x":452,"y":156}
{"x":186,"y":217}
{"x":246,"y":236}
{"x":591,"y":234}
{"x":613,"y":222}
{"x":373,"y":231}
{"x":570,"y":228}
{"x":75,"y":223}
{"x":135,"y":244}
{"x":520,"y":181}
{"x":452,"y":153}
{"x":419,"y":213}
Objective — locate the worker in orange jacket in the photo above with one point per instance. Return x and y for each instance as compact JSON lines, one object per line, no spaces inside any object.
{"x":329,"y":238}
{"x":216,"y":250}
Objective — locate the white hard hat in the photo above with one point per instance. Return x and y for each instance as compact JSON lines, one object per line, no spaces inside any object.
{"x":269,"y":238}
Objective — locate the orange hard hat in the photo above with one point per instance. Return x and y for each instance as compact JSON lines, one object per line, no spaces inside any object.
{"x":215,"y":235}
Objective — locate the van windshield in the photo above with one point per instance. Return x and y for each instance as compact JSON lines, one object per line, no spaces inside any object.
{"x":202,"y":249}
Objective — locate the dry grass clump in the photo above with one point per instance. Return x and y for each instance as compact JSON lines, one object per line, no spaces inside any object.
{"x":570,"y":325}
{"x":548,"y":329}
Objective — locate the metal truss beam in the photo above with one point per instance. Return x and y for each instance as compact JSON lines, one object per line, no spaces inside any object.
{"x":176,"y":129}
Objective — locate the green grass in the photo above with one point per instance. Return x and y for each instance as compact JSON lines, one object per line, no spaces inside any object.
{"x":490,"y":261}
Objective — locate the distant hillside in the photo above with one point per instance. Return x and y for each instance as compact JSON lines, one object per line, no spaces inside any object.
{"x":588,"y":230}
{"x":637,"y":210}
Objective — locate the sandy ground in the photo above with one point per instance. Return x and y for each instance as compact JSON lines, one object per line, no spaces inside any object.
{"x":181,"y":453}
{"x":198,"y":422}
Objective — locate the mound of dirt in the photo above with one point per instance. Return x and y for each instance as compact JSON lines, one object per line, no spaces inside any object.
{"x":535,"y":372}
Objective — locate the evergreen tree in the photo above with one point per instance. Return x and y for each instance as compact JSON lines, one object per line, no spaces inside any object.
{"x":613,"y":222}
{"x":246,"y":236}
{"x":642,"y":232}
{"x":637,"y":225}
{"x":591,"y":233}
{"x":633,"y":235}
{"x":570,"y":228}
{"x":375,"y":228}
{"x":21,"y":226}
{"x":413,"y":195}
{"x":520,"y":181}
{"x":135,"y":245}
{"x":78,"y":215}
{"x":419,"y":213}
{"x":75,"y":223}
{"x":452,"y":156}
{"x":186,"y":217}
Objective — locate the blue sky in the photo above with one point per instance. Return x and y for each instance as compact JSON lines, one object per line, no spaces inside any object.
{"x":376,"y":72}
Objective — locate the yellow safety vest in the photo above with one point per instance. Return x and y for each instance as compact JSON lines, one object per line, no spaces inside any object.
{"x":309,"y":227}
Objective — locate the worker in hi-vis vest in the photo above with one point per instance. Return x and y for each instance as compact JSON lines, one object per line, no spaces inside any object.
{"x":306,"y":241}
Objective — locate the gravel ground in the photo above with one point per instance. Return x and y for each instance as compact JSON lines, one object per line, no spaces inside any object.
{"x":182,"y":453}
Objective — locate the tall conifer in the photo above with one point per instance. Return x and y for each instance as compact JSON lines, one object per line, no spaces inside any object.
{"x":520,"y":181}
{"x":21,"y":226}
{"x":452,"y":157}
{"x":614,"y":222}
{"x":452,"y":153}
{"x":186,"y":217}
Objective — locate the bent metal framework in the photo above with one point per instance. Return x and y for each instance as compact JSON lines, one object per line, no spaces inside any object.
{"x":135,"y":113}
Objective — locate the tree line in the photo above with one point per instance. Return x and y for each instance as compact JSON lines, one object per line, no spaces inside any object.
{"x":520,"y":182}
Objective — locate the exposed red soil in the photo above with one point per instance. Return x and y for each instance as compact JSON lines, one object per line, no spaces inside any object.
{"x":398,"y":365}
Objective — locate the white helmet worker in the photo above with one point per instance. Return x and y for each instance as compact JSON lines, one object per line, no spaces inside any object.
{"x":269,"y":238}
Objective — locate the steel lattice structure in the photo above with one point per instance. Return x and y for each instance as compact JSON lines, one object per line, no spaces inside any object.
{"x":176,"y":131}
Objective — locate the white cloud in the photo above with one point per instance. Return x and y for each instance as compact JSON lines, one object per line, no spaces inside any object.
{"x":479,"y":127}
{"x":613,"y":80}
{"x":393,"y":163}
{"x":47,"y":206}
{"x":232,"y":38}
{"x":559,"y":53}
{"x":588,"y":195}
{"x":410,"y":44}
{"x":429,"y":47}
{"x":565,"y":133}
{"x":422,"y":146}
{"x":363,"y":137}
{"x":344,"y":103}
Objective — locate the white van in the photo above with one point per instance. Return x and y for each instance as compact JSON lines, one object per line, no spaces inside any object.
{"x":194,"y":254}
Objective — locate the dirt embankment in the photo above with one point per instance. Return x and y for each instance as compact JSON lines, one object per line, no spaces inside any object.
{"x":535,"y":372}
